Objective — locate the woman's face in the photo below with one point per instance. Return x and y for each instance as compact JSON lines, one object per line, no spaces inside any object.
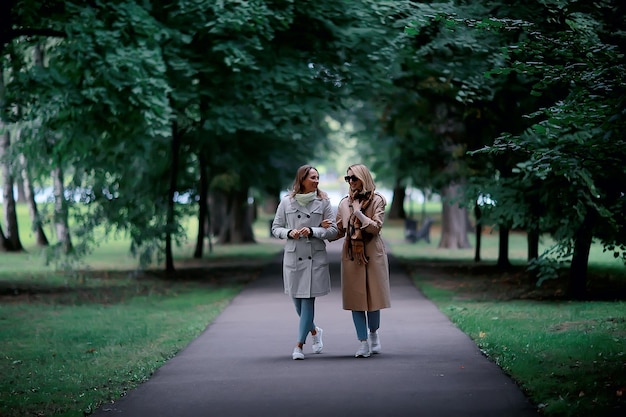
{"x":354,"y":182}
{"x":310,"y":183}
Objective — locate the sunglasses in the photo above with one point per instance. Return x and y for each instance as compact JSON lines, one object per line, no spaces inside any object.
{"x":352,"y":178}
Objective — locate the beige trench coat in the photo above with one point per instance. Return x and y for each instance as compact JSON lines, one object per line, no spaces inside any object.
{"x":365,"y":287}
{"x":305,"y":261}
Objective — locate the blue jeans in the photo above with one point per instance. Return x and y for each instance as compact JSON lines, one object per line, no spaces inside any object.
{"x":305,"y":307}
{"x":364,"y":320}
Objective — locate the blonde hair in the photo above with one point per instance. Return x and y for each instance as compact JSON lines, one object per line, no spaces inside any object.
{"x":301,"y":174}
{"x":364,"y":174}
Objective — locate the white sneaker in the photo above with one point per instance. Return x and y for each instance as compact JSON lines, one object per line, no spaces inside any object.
{"x":297,"y":353}
{"x":364,"y":350}
{"x":374,"y":342}
{"x":318,"y":345}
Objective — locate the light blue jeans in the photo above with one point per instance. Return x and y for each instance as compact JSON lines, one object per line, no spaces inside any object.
{"x":364,"y":320}
{"x":305,"y":307}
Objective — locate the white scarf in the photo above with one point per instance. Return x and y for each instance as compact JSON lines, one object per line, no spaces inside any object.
{"x":304,"y":199}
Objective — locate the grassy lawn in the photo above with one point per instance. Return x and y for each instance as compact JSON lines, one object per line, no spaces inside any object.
{"x":569,"y":357}
{"x":69,"y":342}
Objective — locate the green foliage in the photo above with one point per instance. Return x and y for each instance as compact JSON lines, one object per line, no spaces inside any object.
{"x":237,"y":84}
{"x":572,"y":156}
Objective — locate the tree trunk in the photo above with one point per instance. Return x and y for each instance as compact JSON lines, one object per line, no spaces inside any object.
{"x":203,"y":206}
{"x":170,"y":226}
{"x":29,"y":198}
{"x":396,"y":211}
{"x":28,"y":189}
{"x":21,"y":191}
{"x":427,"y":194}
{"x":220,"y":218}
{"x":479,"y":232}
{"x":240,"y":219}
{"x":453,"y":220}
{"x":270,"y":202}
{"x":4,"y":243}
{"x":10,"y":214}
{"x":533,"y":244}
{"x":580,"y":257}
{"x":61,"y":215}
{"x":503,"y":248}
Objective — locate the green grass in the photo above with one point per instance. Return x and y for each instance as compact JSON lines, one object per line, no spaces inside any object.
{"x":114,"y":254}
{"x":518,"y":254}
{"x":569,"y":357}
{"x":72,"y":341}
{"x":65,"y":356}
{"x":78,"y":340}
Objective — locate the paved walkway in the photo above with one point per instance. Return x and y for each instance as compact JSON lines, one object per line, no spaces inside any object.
{"x":241,"y":365}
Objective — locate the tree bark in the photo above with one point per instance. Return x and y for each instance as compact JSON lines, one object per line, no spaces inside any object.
{"x":453,"y":220}
{"x":220,"y":206}
{"x":203,"y":206}
{"x":61,"y":215}
{"x":29,"y":191}
{"x":396,"y":211}
{"x":4,"y":243}
{"x":169,"y":226}
{"x":240,"y":219}
{"x":11,"y":236}
{"x":503,"y":248}
{"x":10,"y":213}
{"x":580,"y":258}
{"x":479,"y":232}
{"x":29,"y":196}
{"x":21,"y":191}
{"x":270,"y":202}
{"x":533,"y":244}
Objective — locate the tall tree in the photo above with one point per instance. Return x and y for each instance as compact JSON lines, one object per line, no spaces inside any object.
{"x":11,"y":236}
{"x":570,"y":155}
{"x":29,"y":197}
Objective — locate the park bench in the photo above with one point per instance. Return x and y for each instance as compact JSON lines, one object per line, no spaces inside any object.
{"x":413,"y":235}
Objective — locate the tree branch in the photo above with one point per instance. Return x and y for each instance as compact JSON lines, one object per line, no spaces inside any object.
{"x":14,"y":33}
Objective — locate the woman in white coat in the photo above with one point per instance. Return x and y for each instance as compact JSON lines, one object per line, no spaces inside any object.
{"x":305,"y":218}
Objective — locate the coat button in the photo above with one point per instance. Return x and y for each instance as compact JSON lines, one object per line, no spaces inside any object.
{"x":309,"y":257}
{"x":299,"y":216}
{"x":308,"y":215}
{"x":299,"y":259}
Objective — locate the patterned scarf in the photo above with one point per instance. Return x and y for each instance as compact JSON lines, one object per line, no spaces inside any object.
{"x":355,"y":241}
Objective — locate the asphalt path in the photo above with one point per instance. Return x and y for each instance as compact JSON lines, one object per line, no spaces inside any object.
{"x":241,"y":365}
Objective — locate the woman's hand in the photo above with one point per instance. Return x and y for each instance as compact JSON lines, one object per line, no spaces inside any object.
{"x":326,"y":223}
{"x":356,"y":205}
{"x":294,"y":234}
{"x":305,"y":231}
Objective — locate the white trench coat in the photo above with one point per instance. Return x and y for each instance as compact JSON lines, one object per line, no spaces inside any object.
{"x":305,"y":262}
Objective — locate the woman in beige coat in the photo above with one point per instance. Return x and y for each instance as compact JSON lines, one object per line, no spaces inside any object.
{"x":305,"y":218}
{"x":364,"y":263}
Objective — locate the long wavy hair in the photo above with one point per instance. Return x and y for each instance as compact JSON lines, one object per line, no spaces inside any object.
{"x":301,"y":174}
{"x":364,"y":174}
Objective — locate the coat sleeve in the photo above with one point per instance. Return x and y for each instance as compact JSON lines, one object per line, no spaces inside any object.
{"x":375,"y":222}
{"x":341,"y":232}
{"x":326,"y":233}
{"x":279,"y":225}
